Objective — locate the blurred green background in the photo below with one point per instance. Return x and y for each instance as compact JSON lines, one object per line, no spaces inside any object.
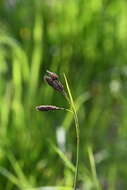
{"x":86,"y":40}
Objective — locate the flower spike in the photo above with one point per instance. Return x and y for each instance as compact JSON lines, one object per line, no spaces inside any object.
{"x":48,"y":108}
{"x":53,"y":75}
{"x":52,"y":80}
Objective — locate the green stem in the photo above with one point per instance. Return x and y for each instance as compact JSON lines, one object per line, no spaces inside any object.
{"x":71,"y":102}
{"x":77,"y":149}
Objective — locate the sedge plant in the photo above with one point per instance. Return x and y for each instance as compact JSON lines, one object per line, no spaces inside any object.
{"x":53,"y":80}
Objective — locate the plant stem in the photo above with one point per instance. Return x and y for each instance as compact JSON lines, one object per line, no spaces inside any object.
{"x":77,"y":149}
{"x":71,"y":102}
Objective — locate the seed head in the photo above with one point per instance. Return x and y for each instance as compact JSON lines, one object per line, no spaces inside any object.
{"x":56,"y":84}
{"x":53,"y":76}
{"x":48,"y":80}
{"x":48,"y":108}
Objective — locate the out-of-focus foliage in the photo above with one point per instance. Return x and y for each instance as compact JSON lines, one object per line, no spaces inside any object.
{"x":87,"y":40}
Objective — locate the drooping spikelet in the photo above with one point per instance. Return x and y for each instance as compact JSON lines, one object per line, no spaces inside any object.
{"x":48,"y":108}
{"x":53,"y":75}
{"x":52,"y":80}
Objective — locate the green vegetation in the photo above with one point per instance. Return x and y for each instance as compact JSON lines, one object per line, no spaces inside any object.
{"x":86,"y":40}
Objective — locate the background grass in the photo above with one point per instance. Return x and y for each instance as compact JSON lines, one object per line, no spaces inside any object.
{"x":86,"y":40}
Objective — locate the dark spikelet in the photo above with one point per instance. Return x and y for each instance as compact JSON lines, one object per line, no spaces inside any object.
{"x":53,"y":76}
{"x":48,"y":80}
{"x":56,"y":84}
{"x":48,"y":108}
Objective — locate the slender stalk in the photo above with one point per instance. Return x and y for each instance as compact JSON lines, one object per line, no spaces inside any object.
{"x":77,"y":151}
{"x":71,"y":102}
